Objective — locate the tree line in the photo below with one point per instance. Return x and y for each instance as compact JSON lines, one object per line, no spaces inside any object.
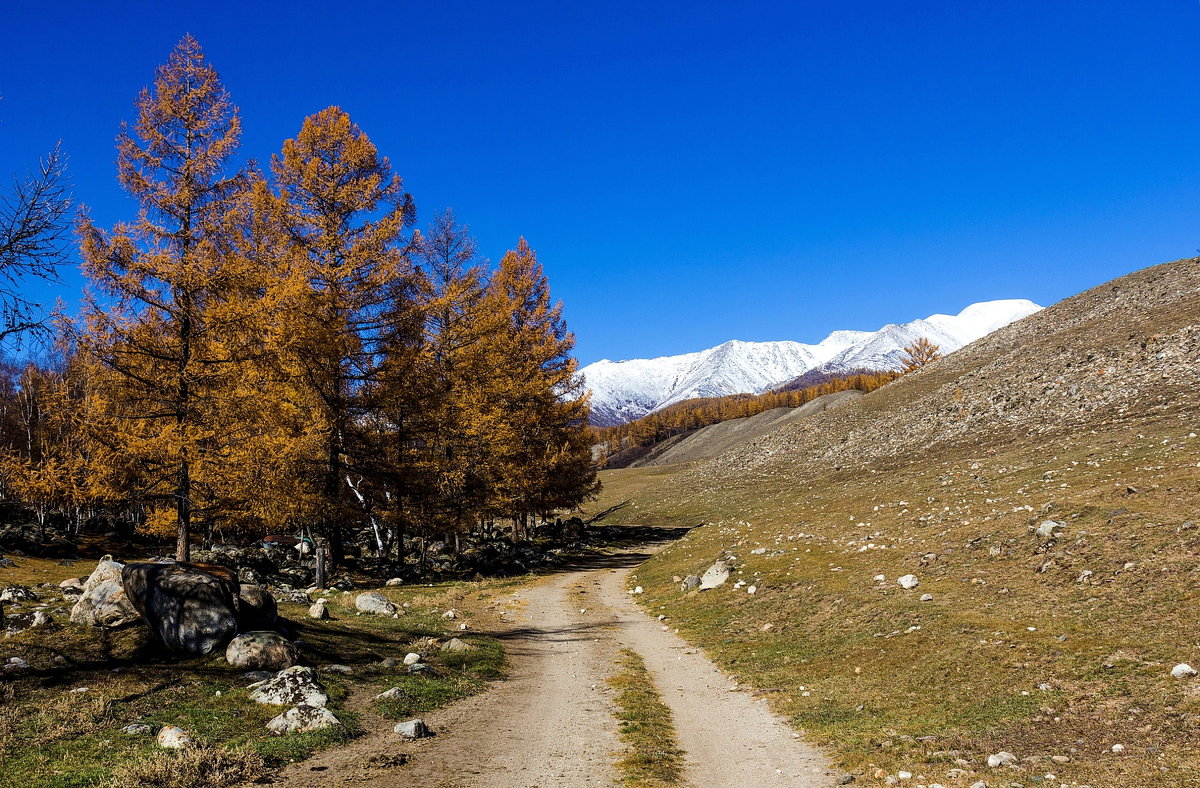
{"x":278,"y":349}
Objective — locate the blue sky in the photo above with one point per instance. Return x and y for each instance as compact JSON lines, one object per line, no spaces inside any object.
{"x":695,"y":172}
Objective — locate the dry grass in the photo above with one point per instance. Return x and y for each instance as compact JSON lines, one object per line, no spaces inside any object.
{"x":1013,"y":653}
{"x":653,"y":757}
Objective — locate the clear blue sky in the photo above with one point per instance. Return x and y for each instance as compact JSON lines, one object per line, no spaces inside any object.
{"x":693,"y":172}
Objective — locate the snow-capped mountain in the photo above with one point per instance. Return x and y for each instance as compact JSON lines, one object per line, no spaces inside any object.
{"x":626,"y":390}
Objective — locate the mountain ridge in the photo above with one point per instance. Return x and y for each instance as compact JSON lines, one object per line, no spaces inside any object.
{"x":626,"y":390}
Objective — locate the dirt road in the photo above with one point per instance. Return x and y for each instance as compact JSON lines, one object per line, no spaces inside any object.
{"x":551,"y":722}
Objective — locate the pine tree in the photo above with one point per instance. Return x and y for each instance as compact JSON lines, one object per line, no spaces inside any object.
{"x":163,"y":309}
{"x":918,"y":354}
{"x":539,"y":422}
{"x":345,"y":214}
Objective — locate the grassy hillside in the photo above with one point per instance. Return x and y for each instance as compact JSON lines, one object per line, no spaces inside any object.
{"x":1053,"y":646}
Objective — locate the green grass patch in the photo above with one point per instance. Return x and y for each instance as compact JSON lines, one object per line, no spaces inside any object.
{"x":653,"y":757}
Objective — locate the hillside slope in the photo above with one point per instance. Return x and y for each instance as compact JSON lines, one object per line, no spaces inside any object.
{"x":1043,"y":485}
{"x":715,"y":439}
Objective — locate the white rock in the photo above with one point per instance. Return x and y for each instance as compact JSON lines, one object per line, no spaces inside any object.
{"x":904,"y":775}
{"x":752,"y":590}
{"x":908,"y":581}
{"x":450,"y":615}
{"x":411,"y":658}
{"x":374,"y":602}
{"x":394,"y":692}
{"x":1183,"y":671}
{"x":454,"y":644}
{"x":412,"y":729}
{"x":1118,"y":748}
{"x":296,"y":686}
{"x":715,"y":576}
{"x":395,"y":581}
{"x":174,"y":738}
{"x":318,"y":610}
{"x":638,"y":590}
{"x":1047,"y":529}
{"x":926,"y":597}
{"x":1001,"y":758}
{"x":880,"y":578}
{"x":301,"y":719}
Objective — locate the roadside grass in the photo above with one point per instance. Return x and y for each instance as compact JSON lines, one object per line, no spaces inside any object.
{"x":1018,"y":650}
{"x":653,"y":757}
{"x":56,"y":734}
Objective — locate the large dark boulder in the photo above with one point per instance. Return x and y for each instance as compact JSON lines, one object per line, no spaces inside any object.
{"x":256,"y":609}
{"x":191,"y":607}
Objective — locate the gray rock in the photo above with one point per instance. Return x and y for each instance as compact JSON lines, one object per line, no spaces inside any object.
{"x":103,"y":602}
{"x":255,"y":676}
{"x":908,"y":582}
{"x":191,"y":607}
{"x":17,"y":594}
{"x":344,"y":670}
{"x":1047,"y":528}
{"x":389,"y":662}
{"x":412,"y":729}
{"x":261,"y":651}
{"x":390,"y":694}
{"x":318,"y":610}
{"x":375,"y":603}
{"x":690,"y":583}
{"x":295,"y":686}
{"x":454,"y":644}
{"x":715,"y":576}
{"x":138,"y":729}
{"x":1001,"y":758}
{"x":20,"y":622}
{"x":412,"y":658}
{"x":256,"y":609}
{"x":301,"y":719}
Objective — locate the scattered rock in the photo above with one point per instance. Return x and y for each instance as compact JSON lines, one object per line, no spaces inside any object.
{"x":138,"y":729}
{"x":255,"y":676}
{"x":908,"y":582}
{"x":103,"y":602}
{"x":344,"y":670}
{"x":191,"y":607}
{"x":1001,"y":758}
{"x":1118,"y":748}
{"x":17,"y":594}
{"x":261,"y":651}
{"x":1047,"y":528}
{"x":375,"y":603}
{"x":690,"y":583}
{"x":926,"y":597}
{"x":412,"y":658}
{"x":301,"y":719}
{"x":393,"y":582}
{"x":20,"y":622}
{"x":454,"y":644}
{"x":450,"y":615}
{"x":172,"y":737}
{"x":1183,"y":671}
{"x":714,"y":577}
{"x":412,"y":729}
{"x":391,"y":694}
{"x":318,"y":610}
{"x":295,"y":686}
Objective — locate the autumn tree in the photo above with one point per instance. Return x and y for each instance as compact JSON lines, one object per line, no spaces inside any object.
{"x":345,"y":215}
{"x":539,"y":420}
{"x":163,"y":319}
{"x":918,"y":354}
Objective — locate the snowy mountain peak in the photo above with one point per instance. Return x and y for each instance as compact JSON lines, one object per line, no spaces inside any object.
{"x":626,"y":390}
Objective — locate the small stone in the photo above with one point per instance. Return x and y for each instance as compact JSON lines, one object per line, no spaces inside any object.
{"x":926,"y":597}
{"x":904,"y":775}
{"x":261,"y":651}
{"x":412,"y":658}
{"x":1001,"y":758}
{"x":344,"y":670}
{"x":296,"y":686}
{"x":454,"y":644}
{"x":1060,"y":758}
{"x":752,"y":590}
{"x":318,"y":610}
{"x":388,"y":662}
{"x":880,"y":578}
{"x":395,"y":581}
{"x":715,"y":576}
{"x":1183,"y":671}
{"x":1118,"y":748}
{"x":690,"y":583}
{"x":450,"y":615}
{"x":412,"y":729}
{"x":138,"y":729}
{"x":766,"y":627}
{"x":908,"y":582}
{"x":638,"y":590}
{"x":171,"y":737}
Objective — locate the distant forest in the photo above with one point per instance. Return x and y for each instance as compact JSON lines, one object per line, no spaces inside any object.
{"x":690,"y":415}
